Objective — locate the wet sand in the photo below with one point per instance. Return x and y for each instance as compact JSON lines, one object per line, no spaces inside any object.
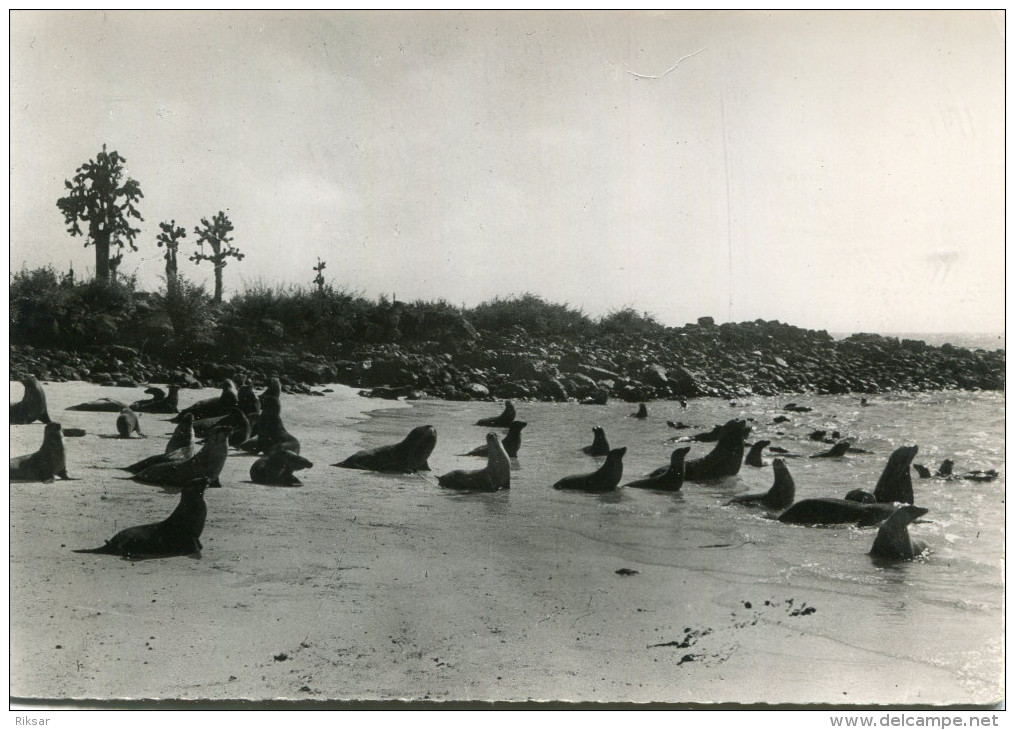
{"x":365,"y":586}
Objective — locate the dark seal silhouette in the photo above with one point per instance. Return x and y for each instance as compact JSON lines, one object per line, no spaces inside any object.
{"x":210,"y":407}
{"x":206,"y":463}
{"x":670,"y":480}
{"x":725,"y":458}
{"x":127,"y":423}
{"x":832,"y":511}
{"x":840,"y":449}
{"x":604,"y":479}
{"x":642,"y":412}
{"x":271,"y":432}
{"x":754,"y":455}
{"x":178,"y":534}
{"x":779,"y":496}
{"x":277,"y":467}
{"x":180,"y":447}
{"x":511,"y":442}
{"x":160,"y":401}
{"x":99,"y":405}
{"x":407,"y":456}
{"x":599,"y":446}
{"x":503,"y":420}
{"x":495,"y":476}
{"x":32,"y":406}
{"x":44,"y":465}
{"x":893,"y":541}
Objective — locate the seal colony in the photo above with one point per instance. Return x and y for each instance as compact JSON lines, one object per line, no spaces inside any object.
{"x":888,"y":506}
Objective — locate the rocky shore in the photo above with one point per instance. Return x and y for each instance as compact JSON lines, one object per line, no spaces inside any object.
{"x":730,"y":360}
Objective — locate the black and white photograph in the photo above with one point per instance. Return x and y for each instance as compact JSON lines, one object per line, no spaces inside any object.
{"x":507,"y":359}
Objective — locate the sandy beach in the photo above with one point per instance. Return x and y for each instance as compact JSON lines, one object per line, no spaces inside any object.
{"x":373,"y":587}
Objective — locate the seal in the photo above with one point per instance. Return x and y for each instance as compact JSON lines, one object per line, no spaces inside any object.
{"x":642,"y":412}
{"x":178,"y":534}
{"x":861,"y":495}
{"x":271,"y":431}
{"x":127,"y":423}
{"x":797,"y":409}
{"x":604,"y":479}
{"x":896,"y":483}
{"x":274,"y":390}
{"x":893,"y":541}
{"x":48,"y":462}
{"x":511,"y":442}
{"x":235,"y":420}
{"x":945,"y":470}
{"x":276,"y":468}
{"x":600,"y":446}
{"x":179,"y":448}
{"x":832,"y":511}
{"x":250,"y":404}
{"x":99,"y":405}
{"x":724,"y":459}
{"x":923,"y":471}
{"x":160,"y":401}
{"x":32,"y":406}
{"x":754,"y":455}
{"x":207,"y":463}
{"x":495,"y":476}
{"x":407,"y":456}
{"x":835,"y":452}
{"x":670,"y":480}
{"x":503,"y":420}
{"x":210,"y":407}
{"x":781,"y":494}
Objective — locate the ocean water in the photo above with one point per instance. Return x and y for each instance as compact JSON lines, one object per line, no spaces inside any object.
{"x":942,"y":612}
{"x":971,"y":340}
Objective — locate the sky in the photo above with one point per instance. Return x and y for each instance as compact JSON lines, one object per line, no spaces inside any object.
{"x":833,"y":170}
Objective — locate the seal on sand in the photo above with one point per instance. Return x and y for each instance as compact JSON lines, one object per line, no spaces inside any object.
{"x":831,"y":511}
{"x":836,"y":451}
{"x":271,"y":431}
{"x":179,"y":448}
{"x":725,"y":459}
{"x":277,"y":468}
{"x":604,"y":479}
{"x":207,"y":462}
{"x":274,"y":390}
{"x":503,"y":420}
{"x":670,"y":480}
{"x":32,"y":406}
{"x":178,"y":534}
{"x":99,"y":405}
{"x":642,"y":412}
{"x":600,"y":446}
{"x":496,"y":475}
{"x":160,"y":401}
{"x":893,"y":540}
{"x":511,"y":442}
{"x":48,"y":462}
{"x":780,"y":496}
{"x":210,"y":407}
{"x":407,"y":456}
{"x":754,"y":455}
{"x":127,"y":423}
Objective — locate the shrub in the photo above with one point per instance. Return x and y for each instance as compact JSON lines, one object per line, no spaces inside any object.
{"x":532,"y":313}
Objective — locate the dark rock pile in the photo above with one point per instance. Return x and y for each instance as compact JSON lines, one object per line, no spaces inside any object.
{"x":728,"y":360}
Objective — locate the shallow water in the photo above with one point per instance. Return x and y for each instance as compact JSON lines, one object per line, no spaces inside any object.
{"x":385,"y":586}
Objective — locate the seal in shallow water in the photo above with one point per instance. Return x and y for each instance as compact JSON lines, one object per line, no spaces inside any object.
{"x":604,"y":479}
{"x":32,"y":406}
{"x":835,"y":452}
{"x":407,"y":456}
{"x":600,"y":446}
{"x":178,"y":534}
{"x":832,"y":511}
{"x":48,"y":462}
{"x":893,"y":540}
{"x":511,"y":442}
{"x":496,"y":475}
{"x":207,"y":463}
{"x":725,"y":459}
{"x":754,"y":455}
{"x":779,"y":496}
{"x":277,"y":468}
{"x":503,"y":420}
{"x":670,"y":480}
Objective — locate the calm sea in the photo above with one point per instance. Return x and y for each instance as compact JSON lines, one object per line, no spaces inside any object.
{"x":969,"y":340}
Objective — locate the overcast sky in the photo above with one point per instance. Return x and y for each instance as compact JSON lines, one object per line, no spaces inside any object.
{"x":842,"y":170}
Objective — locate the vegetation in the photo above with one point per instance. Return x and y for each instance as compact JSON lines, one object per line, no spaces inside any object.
{"x":530,"y":312}
{"x":101,"y":198}
{"x":170,"y":238}
{"x":216,"y":235}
